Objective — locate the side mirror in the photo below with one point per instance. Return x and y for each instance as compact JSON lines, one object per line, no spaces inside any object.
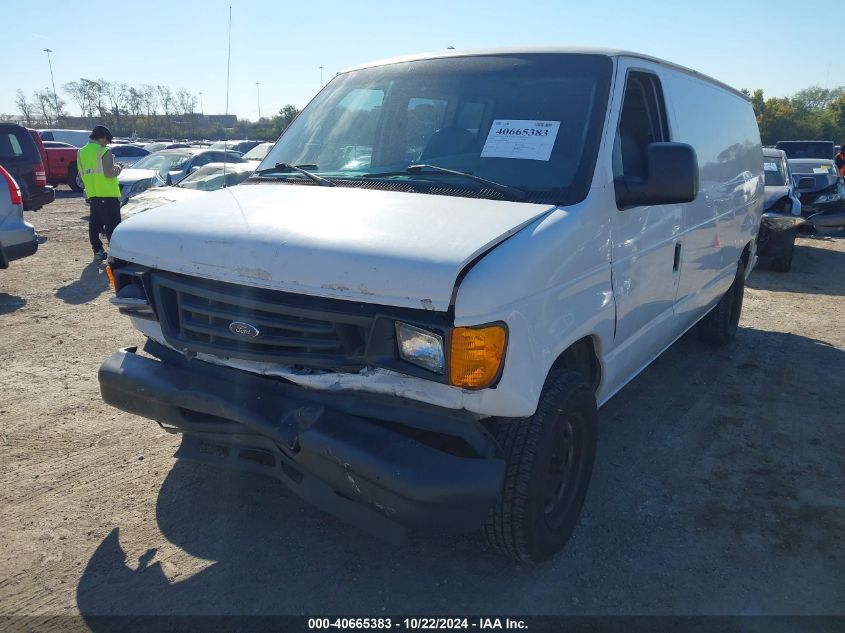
{"x":672,"y":178}
{"x":806,"y":183}
{"x":168,"y":179}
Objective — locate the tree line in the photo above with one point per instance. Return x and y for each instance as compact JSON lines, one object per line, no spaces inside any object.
{"x":157,"y":111}
{"x":149,"y":111}
{"x":812,"y":114}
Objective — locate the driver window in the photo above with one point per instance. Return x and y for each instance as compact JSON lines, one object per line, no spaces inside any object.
{"x":643,"y":121}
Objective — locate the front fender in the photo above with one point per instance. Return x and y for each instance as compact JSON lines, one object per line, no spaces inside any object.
{"x":551,"y":283}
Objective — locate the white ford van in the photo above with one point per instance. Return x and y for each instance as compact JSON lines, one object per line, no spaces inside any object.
{"x":412,"y":311}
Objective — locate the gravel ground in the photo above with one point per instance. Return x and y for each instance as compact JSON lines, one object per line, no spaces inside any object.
{"x":717,"y":489}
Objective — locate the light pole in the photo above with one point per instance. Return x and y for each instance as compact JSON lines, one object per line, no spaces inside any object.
{"x":321,"y":76}
{"x":53,"y":81}
{"x":258,"y":97}
{"x":202,"y":109}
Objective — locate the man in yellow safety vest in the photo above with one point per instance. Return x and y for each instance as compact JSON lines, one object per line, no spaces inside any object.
{"x":99,"y":175}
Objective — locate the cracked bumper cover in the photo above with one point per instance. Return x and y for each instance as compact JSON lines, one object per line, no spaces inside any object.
{"x":355,"y":467}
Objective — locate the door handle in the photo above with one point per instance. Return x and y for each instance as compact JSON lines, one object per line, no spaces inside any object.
{"x":677,"y":263}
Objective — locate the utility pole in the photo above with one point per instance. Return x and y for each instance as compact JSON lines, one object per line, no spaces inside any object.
{"x":321,"y":76}
{"x":53,"y":81}
{"x":258,"y":97}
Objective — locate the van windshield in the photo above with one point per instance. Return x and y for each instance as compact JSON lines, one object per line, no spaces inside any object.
{"x":530,"y":121}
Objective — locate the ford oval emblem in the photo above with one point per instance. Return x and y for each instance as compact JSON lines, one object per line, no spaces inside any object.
{"x":246,"y":330}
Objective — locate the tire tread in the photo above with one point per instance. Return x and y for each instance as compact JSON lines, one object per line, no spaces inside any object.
{"x":503,"y":528}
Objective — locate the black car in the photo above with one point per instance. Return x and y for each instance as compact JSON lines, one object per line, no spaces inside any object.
{"x":19,"y":155}
{"x":807,"y":149}
{"x":822,"y":189}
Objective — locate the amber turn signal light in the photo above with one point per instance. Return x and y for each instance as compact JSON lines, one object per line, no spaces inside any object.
{"x":110,"y":274}
{"x":476,"y":355}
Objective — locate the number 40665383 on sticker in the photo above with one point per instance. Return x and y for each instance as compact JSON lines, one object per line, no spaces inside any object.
{"x":528,"y":140}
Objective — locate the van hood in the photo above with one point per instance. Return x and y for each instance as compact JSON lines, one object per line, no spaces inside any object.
{"x":384,"y":247}
{"x":156,"y":197}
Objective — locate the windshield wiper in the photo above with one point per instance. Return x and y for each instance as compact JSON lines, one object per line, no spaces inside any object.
{"x":281,"y":167}
{"x":512,"y":192}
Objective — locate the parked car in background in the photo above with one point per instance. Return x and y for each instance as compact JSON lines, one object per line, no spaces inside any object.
{"x":22,"y":157}
{"x":242,"y":146}
{"x":42,"y":151}
{"x":807,"y":149}
{"x":259,"y":152}
{"x":422,"y":340}
{"x":77,"y":138}
{"x":157,"y":146}
{"x":17,"y":237}
{"x":127,"y":154}
{"x":781,"y":212}
{"x":168,"y":167}
{"x":826,"y":191}
{"x":207,"y":178}
{"x":61,"y":165}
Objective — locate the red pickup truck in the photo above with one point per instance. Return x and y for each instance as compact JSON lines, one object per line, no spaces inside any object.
{"x":61,"y":164}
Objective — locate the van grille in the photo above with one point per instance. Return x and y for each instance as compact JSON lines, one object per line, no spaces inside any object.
{"x":196,"y":315}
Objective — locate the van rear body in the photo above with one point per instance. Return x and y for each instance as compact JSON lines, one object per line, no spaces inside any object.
{"x":436,"y":276}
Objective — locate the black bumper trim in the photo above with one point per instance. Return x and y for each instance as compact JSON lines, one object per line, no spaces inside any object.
{"x":17,"y":251}
{"x":348,"y":465}
{"x":36,"y":200}
{"x":825,"y":220}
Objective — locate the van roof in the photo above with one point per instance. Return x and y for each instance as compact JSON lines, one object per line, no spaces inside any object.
{"x":547,"y":50}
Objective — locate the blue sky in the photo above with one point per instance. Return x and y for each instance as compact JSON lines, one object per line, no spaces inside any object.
{"x":780,"y":46}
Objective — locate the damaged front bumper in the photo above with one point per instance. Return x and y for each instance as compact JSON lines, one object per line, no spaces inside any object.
{"x":775,"y":221}
{"x":382,"y":463}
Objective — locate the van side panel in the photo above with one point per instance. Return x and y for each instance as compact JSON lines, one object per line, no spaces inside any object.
{"x":726,"y":214}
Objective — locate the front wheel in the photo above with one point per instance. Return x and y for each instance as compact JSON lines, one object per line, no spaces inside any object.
{"x":74,"y":180}
{"x":720,"y":325}
{"x":549,"y":463}
{"x":783,"y":264}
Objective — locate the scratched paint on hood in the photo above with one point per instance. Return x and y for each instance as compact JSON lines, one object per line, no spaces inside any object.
{"x":385,"y":247}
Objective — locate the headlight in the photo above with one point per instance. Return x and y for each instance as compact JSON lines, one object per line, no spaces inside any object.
{"x":130,"y":295}
{"x":141,"y":185}
{"x":476,"y":355}
{"x":828,"y":197}
{"x":420,"y":347}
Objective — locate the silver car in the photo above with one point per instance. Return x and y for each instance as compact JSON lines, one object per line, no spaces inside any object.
{"x":167,"y":167}
{"x":259,"y":152}
{"x":207,"y":178}
{"x":127,"y":154}
{"x":782,"y":212}
{"x":17,"y":237}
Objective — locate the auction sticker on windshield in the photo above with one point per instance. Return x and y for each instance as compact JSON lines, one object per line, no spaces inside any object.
{"x":770,"y":166}
{"x":529,"y":140}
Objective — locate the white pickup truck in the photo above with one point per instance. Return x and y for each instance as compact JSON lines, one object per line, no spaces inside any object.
{"x":412,"y":311}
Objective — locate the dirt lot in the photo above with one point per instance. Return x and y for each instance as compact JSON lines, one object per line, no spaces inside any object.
{"x":717,"y":490}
